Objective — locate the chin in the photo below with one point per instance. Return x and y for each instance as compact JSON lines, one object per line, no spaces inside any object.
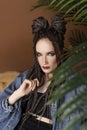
{"x":47,"y":72}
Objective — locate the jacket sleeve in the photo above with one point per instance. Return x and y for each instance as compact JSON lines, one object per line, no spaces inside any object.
{"x":10,"y":114}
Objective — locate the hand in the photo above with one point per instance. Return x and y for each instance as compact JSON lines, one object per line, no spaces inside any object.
{"x":28,"y":86}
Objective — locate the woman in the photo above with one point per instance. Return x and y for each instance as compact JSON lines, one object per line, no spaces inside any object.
{"x":23,"y":102}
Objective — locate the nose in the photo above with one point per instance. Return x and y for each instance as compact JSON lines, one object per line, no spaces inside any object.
{"x":44,"y":60}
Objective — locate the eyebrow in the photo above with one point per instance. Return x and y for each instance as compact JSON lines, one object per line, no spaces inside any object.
{"x":47,"y":52}
{"x":51,"y":52}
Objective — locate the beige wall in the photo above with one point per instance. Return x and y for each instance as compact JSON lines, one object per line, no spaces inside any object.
{"x":15,"y":33}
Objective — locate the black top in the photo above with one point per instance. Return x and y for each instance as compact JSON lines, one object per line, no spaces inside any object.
{"x":32,"y":123}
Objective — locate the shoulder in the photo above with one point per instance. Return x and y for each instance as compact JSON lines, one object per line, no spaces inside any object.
{"x":23,"y":74}
{"x":20,"y":78}
{"x":14,"y":84}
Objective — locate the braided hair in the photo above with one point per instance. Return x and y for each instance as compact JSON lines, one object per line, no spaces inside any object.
{"x":55,"y":33}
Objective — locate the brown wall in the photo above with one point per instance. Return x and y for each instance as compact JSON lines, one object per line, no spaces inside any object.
{"x":15,"y":33}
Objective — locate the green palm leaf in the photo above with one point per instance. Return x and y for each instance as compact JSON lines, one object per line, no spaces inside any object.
{"x":77,"y":9}
{"x":75,"y":121}
{"x":78,"y":77}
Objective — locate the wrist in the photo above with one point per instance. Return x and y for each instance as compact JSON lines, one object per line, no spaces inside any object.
{"x":14,"y":97}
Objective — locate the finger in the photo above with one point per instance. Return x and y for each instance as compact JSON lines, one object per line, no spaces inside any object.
{"x":29,"y":85}
{"x":34,"y":84}
{"x":28,"y":82}
{"x":33,"y":87}
{"x":37,"y":82}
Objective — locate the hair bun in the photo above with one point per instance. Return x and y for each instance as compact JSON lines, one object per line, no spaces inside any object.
{"x":58,"y":23}
{"x":39,"y":24}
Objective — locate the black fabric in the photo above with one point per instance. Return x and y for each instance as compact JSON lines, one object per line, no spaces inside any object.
{"x":41,"y":105}
{"x":33,"y":124}
{"x":38,"y":109}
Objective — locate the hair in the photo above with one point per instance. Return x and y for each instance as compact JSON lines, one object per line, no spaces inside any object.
{"x":55,"y":33}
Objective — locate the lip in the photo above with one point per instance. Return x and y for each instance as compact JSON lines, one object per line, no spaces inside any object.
{"x":45,"y":67}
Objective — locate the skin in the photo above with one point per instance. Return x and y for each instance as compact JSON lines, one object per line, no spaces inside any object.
{"x":46,"y":55}
{"x":46,"y":58}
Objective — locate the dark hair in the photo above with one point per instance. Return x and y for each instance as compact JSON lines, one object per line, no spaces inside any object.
{"x":55,"y":33}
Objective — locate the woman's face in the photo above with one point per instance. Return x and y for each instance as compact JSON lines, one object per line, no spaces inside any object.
{"x":46,"y":55}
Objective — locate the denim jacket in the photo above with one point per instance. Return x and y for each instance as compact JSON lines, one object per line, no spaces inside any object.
{"x":11,"y":114}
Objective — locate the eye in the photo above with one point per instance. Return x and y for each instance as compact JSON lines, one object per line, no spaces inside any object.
{"x":38,"y":54}
{"x":51,"y":53}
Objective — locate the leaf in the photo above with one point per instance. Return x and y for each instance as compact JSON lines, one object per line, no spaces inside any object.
{"x":74,"y":9}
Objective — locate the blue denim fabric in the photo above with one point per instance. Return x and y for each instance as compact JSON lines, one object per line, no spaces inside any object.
{"x":10,"y":115}
{"x":57,"y":105}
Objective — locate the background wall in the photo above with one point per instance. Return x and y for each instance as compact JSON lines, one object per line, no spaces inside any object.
{"x":16,"y":35}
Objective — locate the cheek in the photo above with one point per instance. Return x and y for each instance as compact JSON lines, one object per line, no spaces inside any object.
{"x":54,"y":63}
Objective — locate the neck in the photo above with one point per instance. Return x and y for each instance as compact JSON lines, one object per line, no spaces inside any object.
{"x":46,"y":84}
{"x":48,"y":77}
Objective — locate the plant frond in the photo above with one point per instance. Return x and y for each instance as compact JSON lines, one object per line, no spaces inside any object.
{"x":74,"y":8}
{"x":73,"y":103}
{"x":66,"y":4}
{"x":81,"y":15}
{"x":78,"y":11}
{"x":75,"y":120}
{"x":70,"y":76}
{"x":52,"y":2}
